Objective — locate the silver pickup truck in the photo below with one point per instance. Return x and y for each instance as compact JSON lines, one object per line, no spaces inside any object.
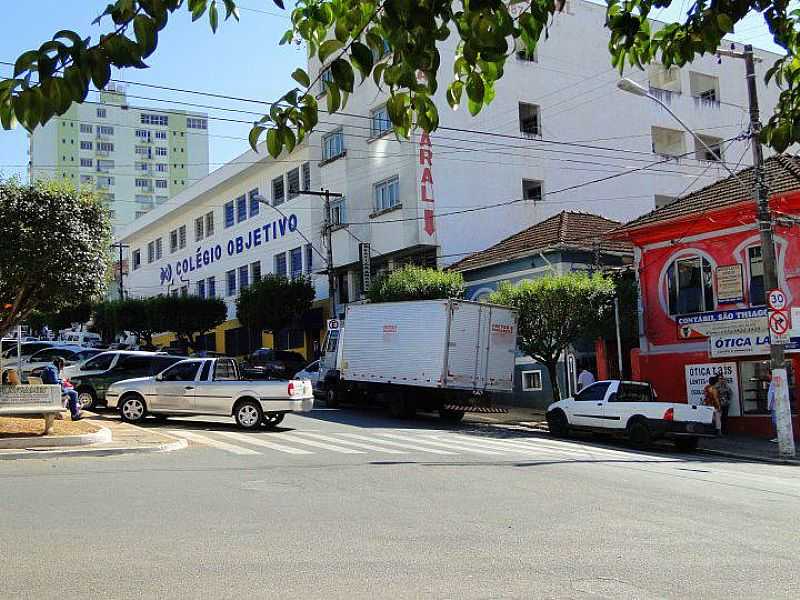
{"x":209,"y":386}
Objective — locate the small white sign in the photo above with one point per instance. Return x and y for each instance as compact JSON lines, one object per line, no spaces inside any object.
{"x":738,"y":345}
{"x":776,"y":299}
{"x":779,"y":324}
{"x":333,"y":324}
{"x":697,"y":377}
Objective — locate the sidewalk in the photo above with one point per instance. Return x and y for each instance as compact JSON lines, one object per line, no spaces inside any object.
{"x":125,"y":439}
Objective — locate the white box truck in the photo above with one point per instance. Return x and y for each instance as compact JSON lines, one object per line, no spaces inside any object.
{"x":449,"y":356}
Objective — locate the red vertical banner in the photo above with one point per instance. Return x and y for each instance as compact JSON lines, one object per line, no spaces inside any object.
{"x":426,"y":182}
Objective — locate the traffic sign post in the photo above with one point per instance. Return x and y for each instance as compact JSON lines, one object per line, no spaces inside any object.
{"x":776,"y":300}
{"x":779,"y":326}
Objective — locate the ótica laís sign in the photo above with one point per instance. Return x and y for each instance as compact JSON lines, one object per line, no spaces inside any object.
{"x":241,"y":244}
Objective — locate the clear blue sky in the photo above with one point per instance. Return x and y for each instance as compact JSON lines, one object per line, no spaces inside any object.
{"x":243,"y":59}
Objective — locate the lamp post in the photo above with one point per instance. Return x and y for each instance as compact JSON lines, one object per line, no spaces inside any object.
{"x":786,"y":446}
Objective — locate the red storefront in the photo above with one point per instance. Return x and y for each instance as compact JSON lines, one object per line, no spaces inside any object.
{"x":702,"y":310}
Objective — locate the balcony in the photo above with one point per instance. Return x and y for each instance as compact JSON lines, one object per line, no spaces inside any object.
{"x":99,"y":152}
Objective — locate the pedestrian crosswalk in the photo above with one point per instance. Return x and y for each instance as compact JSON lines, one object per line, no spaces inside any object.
{"x":394,"y":442}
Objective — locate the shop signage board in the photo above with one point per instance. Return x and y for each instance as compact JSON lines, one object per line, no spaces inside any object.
{"x":697,"y":376}
{"x":730,"y":284}
{"x":722,"y":322}
{"x":744,"y":344}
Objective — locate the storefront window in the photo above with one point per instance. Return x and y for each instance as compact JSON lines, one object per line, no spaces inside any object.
{"x":690,"y":286}
{"x":756,"y":276}
{"x":754,"y":385}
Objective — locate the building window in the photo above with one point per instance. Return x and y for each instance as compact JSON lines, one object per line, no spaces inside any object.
{"x":690,"y":286}
{"x":380,"y":122}
{"x":255,"y":271}
{"x":277,"y":191}
{"x":252,"y":197}
{"x":161,"y":135}
{"x":159,"y":249}
{"x":87,"y":162}
{"x":198,"y":229}
{"x":182,"y":236}
{"x":280,"y":264}
{"x":231,"y":278}
{"x":173,"y":240}
{"x":161,"y":184}
{"x":296,"y":255}
{"x":668,"y":142}
{"x":293,"y":183}
{"x":241,"y":209}
{"x":161,"y":151}
{"x":529,"y":121}
{"x":211,"y":287}
{"x":105,"y":130}
{"x":137,"y":259}
{"x":101,"y":113}
{"x":229,"y":214}
{"x":103,"y":166}
{"x":326,"y":76}
{"x":532,"y":190}
{"x":306,"y":176}
{"x":194,"y":123}
{"x":333,"y":145}
{"x":201,"y":288}
{"x":662,"y":200}
{"x":153,"y":119}
{"x":142,"y":134}
{"x":151,"y":252}
{"x":105,"y":146}
{"x":86,"y":145}
{"x":161,"y":168}
{"x":531,"y":381}
{"x":338,"y":212}
{"x":342,"y":286}
{"x":309,"y":258}
{"x":209,"y":224}
{"x":711,"y":153}
{"x":86,"y":128}
{"x":244,"y":277}
{"x":142,"y":151}
{"x":704,"y":87}
{"x":756,"y":267}
{"x":143,"y":183}
{"x":665,"y":79}
{"x":387,"y":194}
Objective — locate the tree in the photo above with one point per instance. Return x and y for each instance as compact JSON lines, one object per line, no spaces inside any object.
{"x":554,"y":311}
{"x":54,"y":251}
{"x":274,"y":303}
{"x":190,"y":317}
{"x":416,"y":283}
{"x":353,"y":35}
{"x":61,"y":319}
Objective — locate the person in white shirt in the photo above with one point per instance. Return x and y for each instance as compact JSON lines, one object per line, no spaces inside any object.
{"x":585,"y":379}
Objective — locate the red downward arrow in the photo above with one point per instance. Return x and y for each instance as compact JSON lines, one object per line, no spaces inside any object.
{"x":429,"y":226}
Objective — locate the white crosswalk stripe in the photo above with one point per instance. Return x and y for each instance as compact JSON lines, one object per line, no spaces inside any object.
{"x":208,"y":441}
{"x":399,"y":444}
{"x":294,"y":439}
{"x":257,"y":440}
{"x":448,"y":445}
{"x":350,"y":443}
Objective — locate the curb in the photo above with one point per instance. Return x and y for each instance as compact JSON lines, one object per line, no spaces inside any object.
{"x":753,"y":457}
{"x":101,"y":436}
{"x":165,"y":447}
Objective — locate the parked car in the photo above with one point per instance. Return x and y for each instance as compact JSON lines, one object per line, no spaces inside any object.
{"x":311,"y":372}
{"x":631,"y":409}
{"x":45,"y":357}
{"x":266,"y":363}
{"x":209,"y":386}
{"x":29,"y":348}
{"x":92,"y":378}
{"x":82,"y":338}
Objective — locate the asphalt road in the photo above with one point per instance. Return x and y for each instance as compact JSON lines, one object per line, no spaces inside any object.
{"x":349,"y":504}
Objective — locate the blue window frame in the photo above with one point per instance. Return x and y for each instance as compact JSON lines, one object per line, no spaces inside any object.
{"x":211,"y":284}
{"x":309,"y":258}
{"x":201,"y":288}
{"x":244,"y":277}
{"x":229,"y":220}
{"x":254,"y":204}
{"x":241,"y":209}
{"x":231,"y":275}
{"x":297,"y":262}
{"x":280,"y":264}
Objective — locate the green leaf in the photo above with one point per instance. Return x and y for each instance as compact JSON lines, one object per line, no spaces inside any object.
{"x":301,"y":77}
{"x":289,"y":139}
{"x":145,"y":31}
{"x":213,"y":16}
{"x":100,"y":68}
{"x":473,"y":107}
{"x":362,"y":58}
{"x":475,"y":88}
{"x":343,"y":74}
{"x":333,"y":97}
{"x":724,"y":22}
{"x":327,"y":48}
{"x":25,"y":61}
{"x":274,"y":142}
{"x":255,"y":133}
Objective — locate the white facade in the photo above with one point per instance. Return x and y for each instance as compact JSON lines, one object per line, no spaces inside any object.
{"x":136,"y":158}
{"x":172,"y":251}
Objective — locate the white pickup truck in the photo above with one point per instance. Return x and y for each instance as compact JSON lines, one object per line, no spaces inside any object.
{"x":209,"y":386}
{"x":632,"y":409}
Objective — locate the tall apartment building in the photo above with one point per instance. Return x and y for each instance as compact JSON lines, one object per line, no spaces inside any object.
{"x":135,"y":157}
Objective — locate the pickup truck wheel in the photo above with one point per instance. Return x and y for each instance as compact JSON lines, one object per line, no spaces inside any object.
{"x":132,"y":408}
{"x":557,"y":423}
{"x":686,"y":444}
{"x":451,"y":416}
{"x":86,"y":398}
{"x":639,"y":434}
{"x":273,"y":419}
{"x":248,"y":414}
{"x":331,"y":399}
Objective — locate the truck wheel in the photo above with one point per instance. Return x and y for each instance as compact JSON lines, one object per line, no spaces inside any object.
{"x":248,"y":414}
{"x":686,"y":444}
{"x":331,"y":399}
{"x":639,"y":434}
{"x":451,"y":416}
{"x":132,"y":409}
{"x":557,"y":423}
{"x":86,"y":398}
{"x":272,"y":420}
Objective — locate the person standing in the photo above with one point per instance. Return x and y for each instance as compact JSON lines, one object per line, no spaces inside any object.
{"x":585,"y":379}
{"x":711,"y":398}
{"x":724,"y":393}
{"x":52,"y":375}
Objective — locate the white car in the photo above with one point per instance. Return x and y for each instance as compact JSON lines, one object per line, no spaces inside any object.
{"x":311,"y":373}
{"x":209,"y":386}
{"x":632,"y":409}
{"x":71,"y":354}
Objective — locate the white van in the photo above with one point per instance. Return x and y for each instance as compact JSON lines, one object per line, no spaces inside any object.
{"x":82,"y":338}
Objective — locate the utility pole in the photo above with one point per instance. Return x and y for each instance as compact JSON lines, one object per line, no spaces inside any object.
{"x":776,"y":350}
{"x":121,"y":246}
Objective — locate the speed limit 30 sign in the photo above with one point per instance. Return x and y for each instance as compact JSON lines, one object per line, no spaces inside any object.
{"x":776,"y":300}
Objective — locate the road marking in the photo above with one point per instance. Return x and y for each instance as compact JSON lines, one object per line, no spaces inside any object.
{"x":503,"y":446}
{"x":256,"y":440}
{"x":449,"y":445}
{"x":578,"y":448}
{"x":201,"y":439}
{"x":398,"y":444}
{"x":340,"y":449}
{"x":349,"y":443}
